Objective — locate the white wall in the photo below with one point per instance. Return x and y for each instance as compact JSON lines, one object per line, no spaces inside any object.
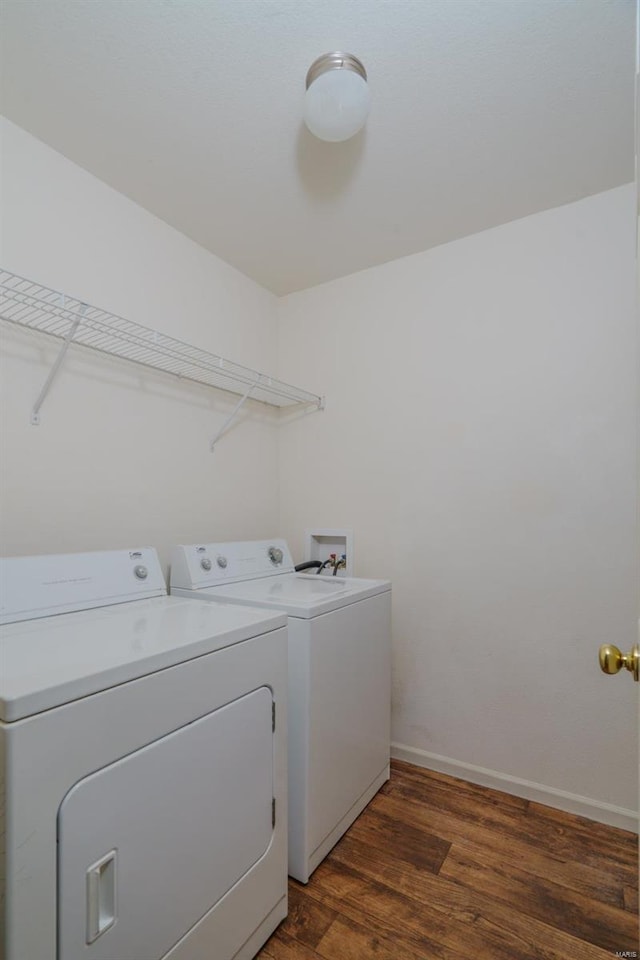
{"x":479,"y":438}
{"x":122,"y":456}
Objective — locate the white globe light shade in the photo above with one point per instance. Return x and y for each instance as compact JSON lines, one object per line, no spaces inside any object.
{"x":337,"y":105}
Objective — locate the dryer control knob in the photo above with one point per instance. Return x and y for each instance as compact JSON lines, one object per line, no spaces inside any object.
{"x":275,"y":555}
{"x":221,"y":561}
{"x":141,"y":572}
{"x":205,"y":563}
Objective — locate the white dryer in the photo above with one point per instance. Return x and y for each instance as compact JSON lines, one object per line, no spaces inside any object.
{"x":339,"y":679}
{"x":143,"y":747}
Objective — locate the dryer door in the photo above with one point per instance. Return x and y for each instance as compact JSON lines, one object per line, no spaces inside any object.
{"x":149,"y":844}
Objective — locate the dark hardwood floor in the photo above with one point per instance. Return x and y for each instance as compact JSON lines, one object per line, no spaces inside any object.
{"x":440,"y":868}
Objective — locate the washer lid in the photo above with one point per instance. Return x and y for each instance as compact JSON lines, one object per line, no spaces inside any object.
{"x":54,"y":660}
{"x":297,"y":594}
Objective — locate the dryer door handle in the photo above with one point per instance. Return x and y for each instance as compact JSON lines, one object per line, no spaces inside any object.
{"x":101,"y":896}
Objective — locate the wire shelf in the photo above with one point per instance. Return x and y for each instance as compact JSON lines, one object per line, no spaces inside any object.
{"x":29,"y":304}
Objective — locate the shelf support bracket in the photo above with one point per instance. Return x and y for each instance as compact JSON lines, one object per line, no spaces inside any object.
{"x":234,"y":413}
{"x":35,"y":413}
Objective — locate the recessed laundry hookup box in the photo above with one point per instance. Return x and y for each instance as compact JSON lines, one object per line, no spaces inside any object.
{"x":321,"y":543}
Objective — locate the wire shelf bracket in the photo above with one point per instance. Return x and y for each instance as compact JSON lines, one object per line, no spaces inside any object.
{"x":29,"y":304}
{"x":233,"y":414}
{"x":35,"y":413}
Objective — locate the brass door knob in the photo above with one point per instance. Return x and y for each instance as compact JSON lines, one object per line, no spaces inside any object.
{"x":611,"y":660}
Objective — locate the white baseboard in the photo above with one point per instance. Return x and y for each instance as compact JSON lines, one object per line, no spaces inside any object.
{"x":570,"y":802}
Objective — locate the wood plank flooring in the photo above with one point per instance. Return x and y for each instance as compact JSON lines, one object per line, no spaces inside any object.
{"x":441,"y":869}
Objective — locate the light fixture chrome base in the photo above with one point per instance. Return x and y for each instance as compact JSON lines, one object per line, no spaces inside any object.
{"x":334,"y":61}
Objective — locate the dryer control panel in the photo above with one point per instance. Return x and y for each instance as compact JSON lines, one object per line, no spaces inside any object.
{"x":199,"y":565}
{"x":40,"y":586}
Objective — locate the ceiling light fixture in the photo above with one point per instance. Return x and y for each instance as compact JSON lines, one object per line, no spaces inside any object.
{"x":337,"y":99}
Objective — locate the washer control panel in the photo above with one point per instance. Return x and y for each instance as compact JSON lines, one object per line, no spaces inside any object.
{"x":198,"y":564}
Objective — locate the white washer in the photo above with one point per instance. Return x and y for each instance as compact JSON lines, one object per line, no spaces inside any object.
{"x":339,"y":679}
{"x":145,"y":774}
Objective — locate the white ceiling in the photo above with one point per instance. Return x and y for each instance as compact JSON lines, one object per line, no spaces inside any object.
{"x":483,"y":111}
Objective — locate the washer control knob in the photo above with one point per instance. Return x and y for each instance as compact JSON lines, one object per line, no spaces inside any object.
{"x":275,"y":555}
{"x":222,"y":562}
{"x":141,"y":572}
{"x":205,"y":563}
